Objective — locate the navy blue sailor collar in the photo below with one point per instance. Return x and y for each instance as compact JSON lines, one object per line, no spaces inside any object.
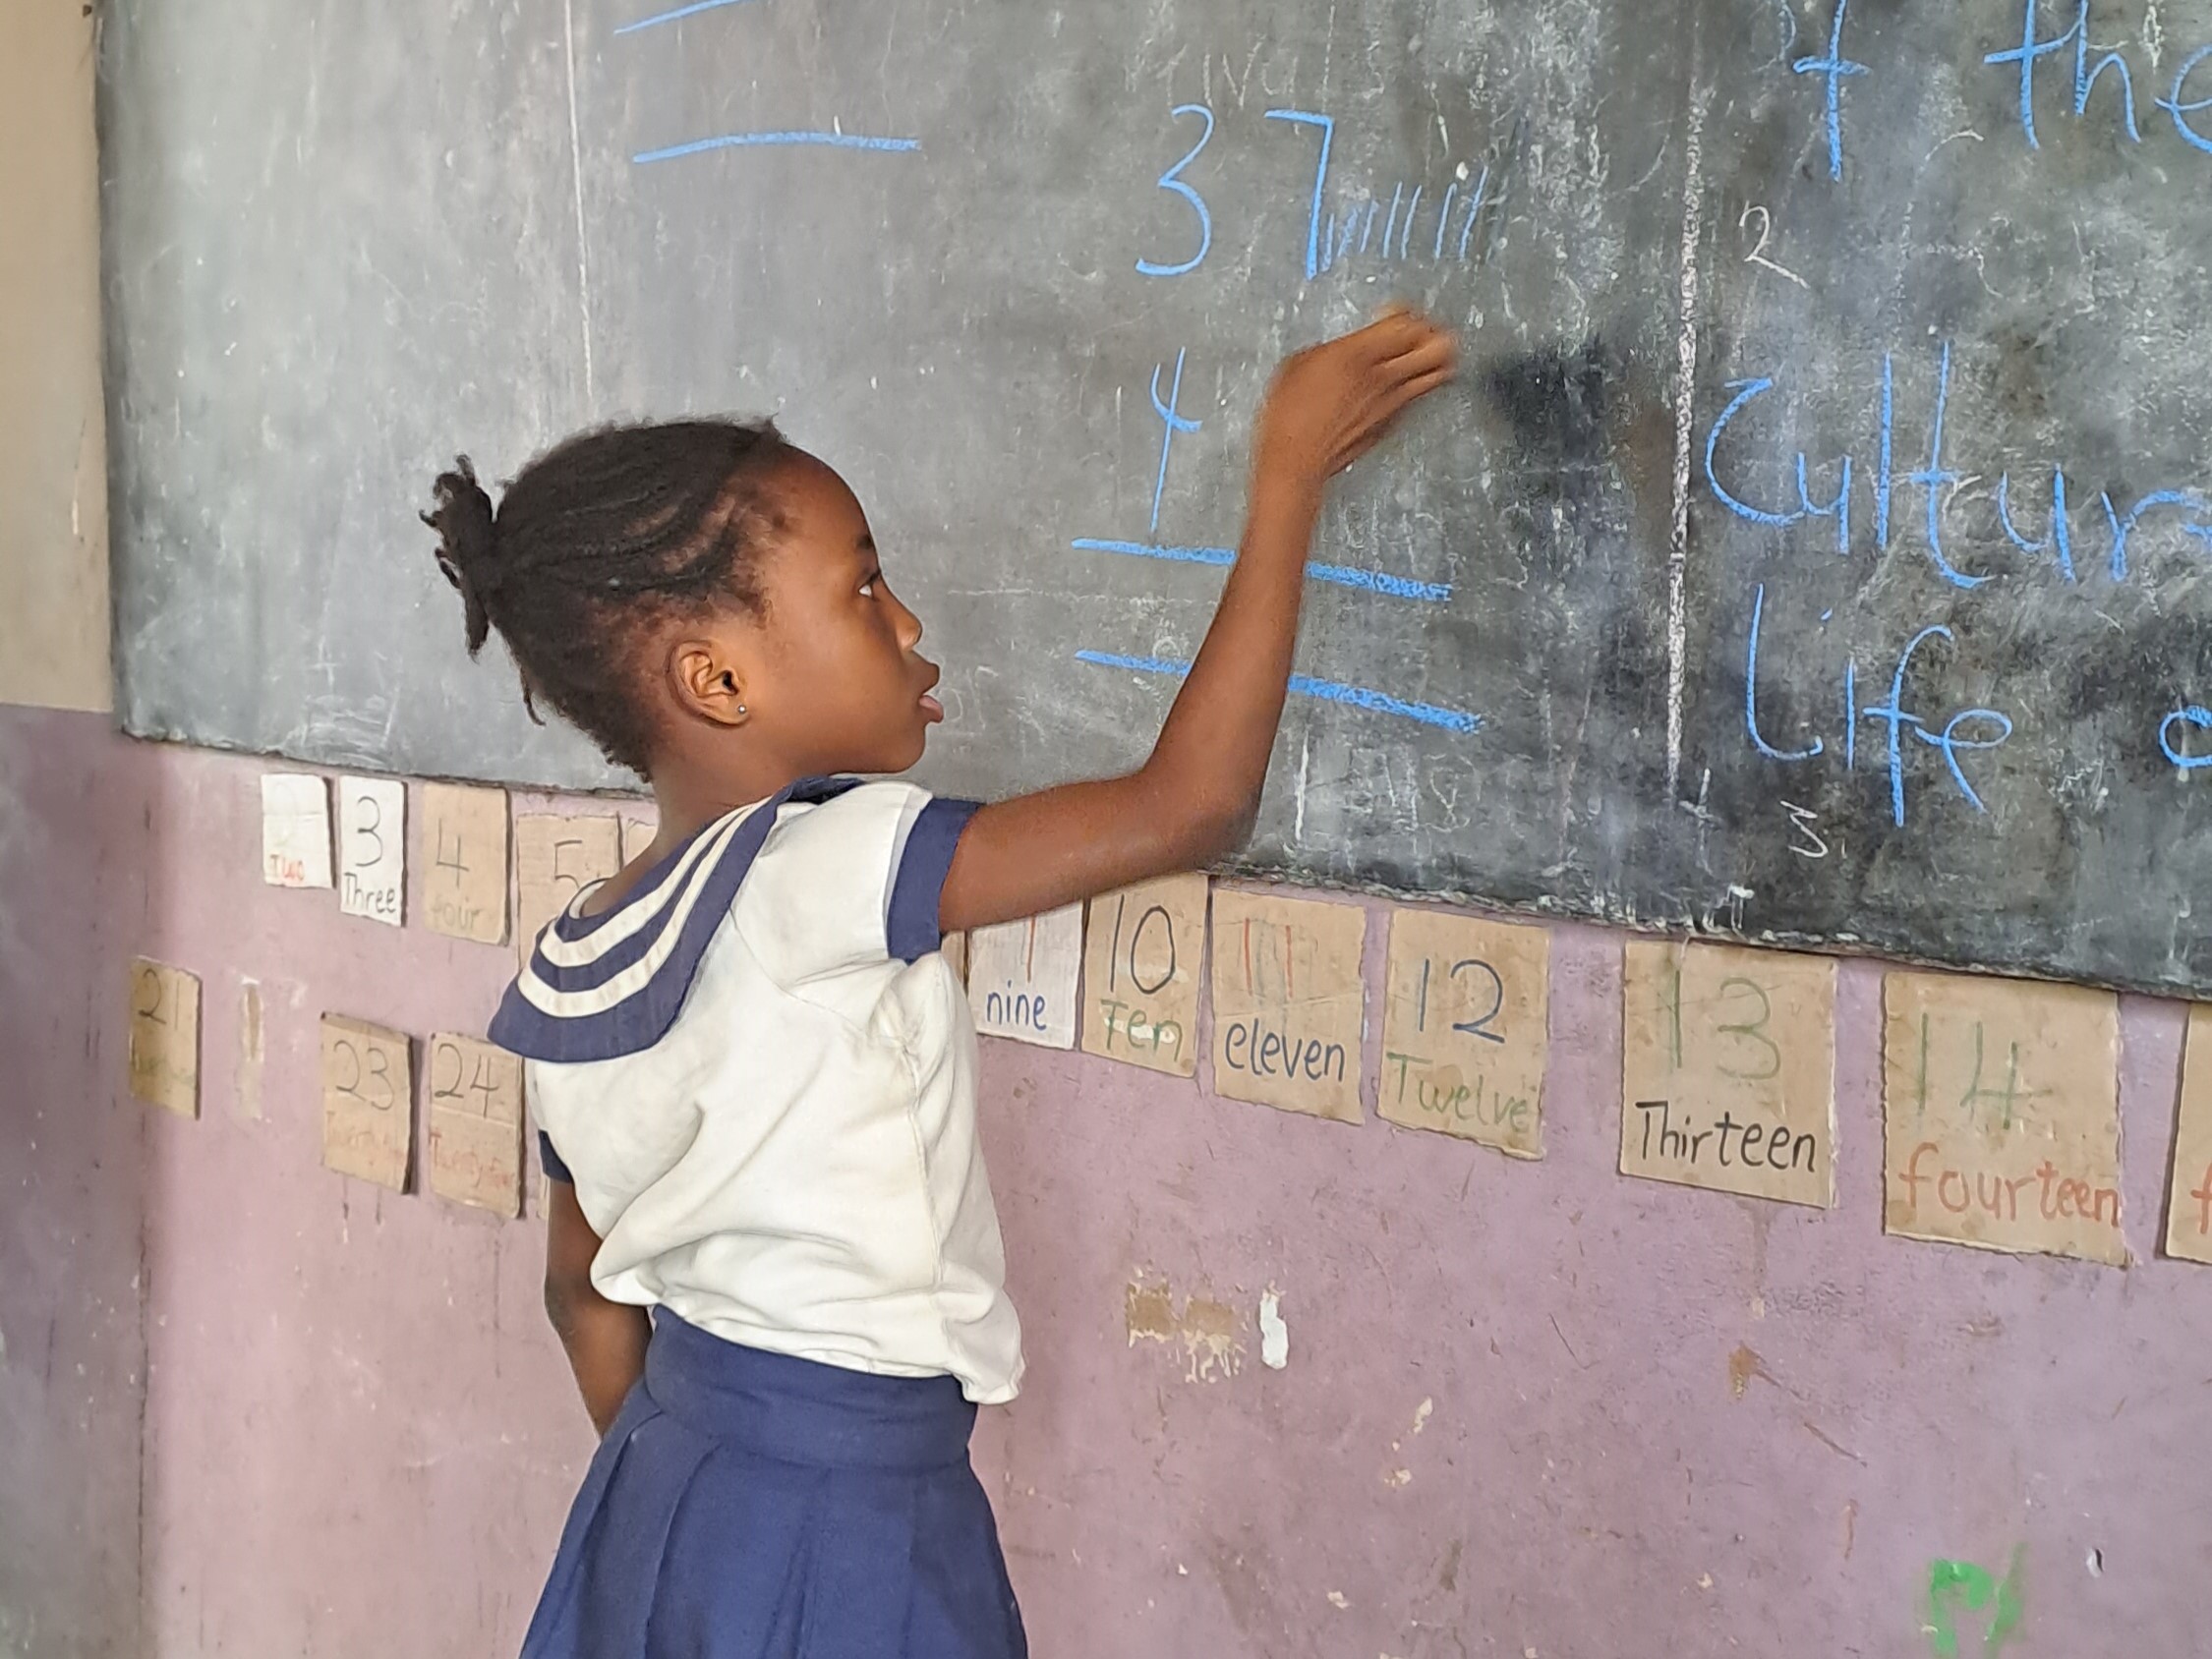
{"x":606,"y":986}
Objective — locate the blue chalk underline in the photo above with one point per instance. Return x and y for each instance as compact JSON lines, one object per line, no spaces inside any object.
{"x":1344,"y":576}
{"x":1304,"y":685}
{"x":762,"y":141}
{"x":679,"y":12}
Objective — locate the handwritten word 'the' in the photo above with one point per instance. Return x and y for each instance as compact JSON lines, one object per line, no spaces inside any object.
{"x":2109,"y":80}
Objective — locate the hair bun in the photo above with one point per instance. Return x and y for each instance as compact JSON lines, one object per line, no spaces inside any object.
{"x":468,"y":544}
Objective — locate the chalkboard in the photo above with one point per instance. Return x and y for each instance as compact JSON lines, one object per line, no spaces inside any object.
{"x":1727,"y":591}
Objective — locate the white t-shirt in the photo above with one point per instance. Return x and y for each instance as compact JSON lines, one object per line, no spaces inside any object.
{"x":759,"y":1072}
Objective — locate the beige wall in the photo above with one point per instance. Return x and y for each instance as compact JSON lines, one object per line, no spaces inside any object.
{"x":53,"y":445}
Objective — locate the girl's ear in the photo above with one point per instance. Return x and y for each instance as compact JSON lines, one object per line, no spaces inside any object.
{"x":706,"y":679}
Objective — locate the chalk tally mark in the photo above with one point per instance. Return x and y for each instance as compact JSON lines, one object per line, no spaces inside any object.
{"x":1304,"y":685}
{"x":677,"y":16}
{"x":1338,"y":575}
{"x":777,"y":141}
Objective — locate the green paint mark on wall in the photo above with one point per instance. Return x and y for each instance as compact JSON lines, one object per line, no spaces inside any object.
{"x":1955,"y":1586}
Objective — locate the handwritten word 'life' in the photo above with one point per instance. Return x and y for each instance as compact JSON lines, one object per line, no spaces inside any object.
{"x":1965,"y":730}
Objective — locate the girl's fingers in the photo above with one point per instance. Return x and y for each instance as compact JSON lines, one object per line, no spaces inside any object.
{"x":1434,"y":348}
{"x":1389,"y":401}
{"x":1379,"y":411}
{"x":1421,"y":386}
{"x":1392,"y":335}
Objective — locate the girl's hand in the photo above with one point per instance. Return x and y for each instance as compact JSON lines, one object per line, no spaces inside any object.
{"x":1332,"y":403}
{"x":1195,"y":799}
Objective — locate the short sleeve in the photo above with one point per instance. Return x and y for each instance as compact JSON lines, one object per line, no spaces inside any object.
{"x":917,"y":884}
{"x":554,"y":1169}
{"x":852,"y":880}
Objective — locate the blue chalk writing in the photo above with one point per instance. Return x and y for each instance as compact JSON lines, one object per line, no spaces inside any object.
{"x":1833,"y":69}
{"x":1935,"y":477}
{"x":1152,"y":550}
{"x":1894,"y":715}
{"x":1749,"y":389}
{"x":1333,"y":234}
{"x":1882,"y":484}
{"x":1304,"y":685}
{"x":1381,"y":582}
{"x":751,"y":141}
{"x":1851,"y":716}
{"x":2187,"y":718}
{"x":1327,"y":126}
{"x":2123,"y":527}
{"x":1382,"y":703}
{"x":1751,"y":690}
{"x":2061,"y":535}
{"x":1950,"y":742}
{"x":1474,"y":207}
{"x":2188,"y":510}
{"x":1962,"y":734}
{"x":1171,"y":423}
{"x":2085,"y":77}
{"x":1171,"y":181}
{"x":2088,"y":71}
{"x":679,"y":12}
{"x":1342,"y":576}
{"x":2025,"y":55}
{"x":1336,"y":237}
{"x":2174,"y":105}
{"x":1838,"y":509}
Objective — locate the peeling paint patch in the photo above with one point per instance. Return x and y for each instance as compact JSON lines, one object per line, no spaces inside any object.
{"x":1148,"y":1312}
{"x":1209,"y":1341}
{"x":1274,"y":1335}
{"x":1421,"y":1415}
{"x":252,"y":1052}
{"x":1206,"y":1331}
{"x":1743,"y":1365}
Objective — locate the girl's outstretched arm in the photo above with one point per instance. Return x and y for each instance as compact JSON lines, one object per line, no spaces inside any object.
{"x":1196,"y":798}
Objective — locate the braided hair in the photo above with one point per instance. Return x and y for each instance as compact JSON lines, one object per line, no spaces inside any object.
{"x":598,"y":542}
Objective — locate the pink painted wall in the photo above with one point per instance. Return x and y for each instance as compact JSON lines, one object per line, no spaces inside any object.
{"x":71,"y":1343}
{"x":1528,"y":1407}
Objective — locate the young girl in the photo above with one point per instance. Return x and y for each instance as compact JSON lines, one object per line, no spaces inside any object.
{"x":770,"y":1253}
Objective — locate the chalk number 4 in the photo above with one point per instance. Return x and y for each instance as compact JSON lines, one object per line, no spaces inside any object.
{"x":1172,"y":180}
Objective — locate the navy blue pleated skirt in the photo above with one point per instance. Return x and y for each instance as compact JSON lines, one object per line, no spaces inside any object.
{"x":751,"y":1506}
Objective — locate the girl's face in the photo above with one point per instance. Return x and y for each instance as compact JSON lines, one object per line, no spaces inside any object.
{"x":839,"y":685}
